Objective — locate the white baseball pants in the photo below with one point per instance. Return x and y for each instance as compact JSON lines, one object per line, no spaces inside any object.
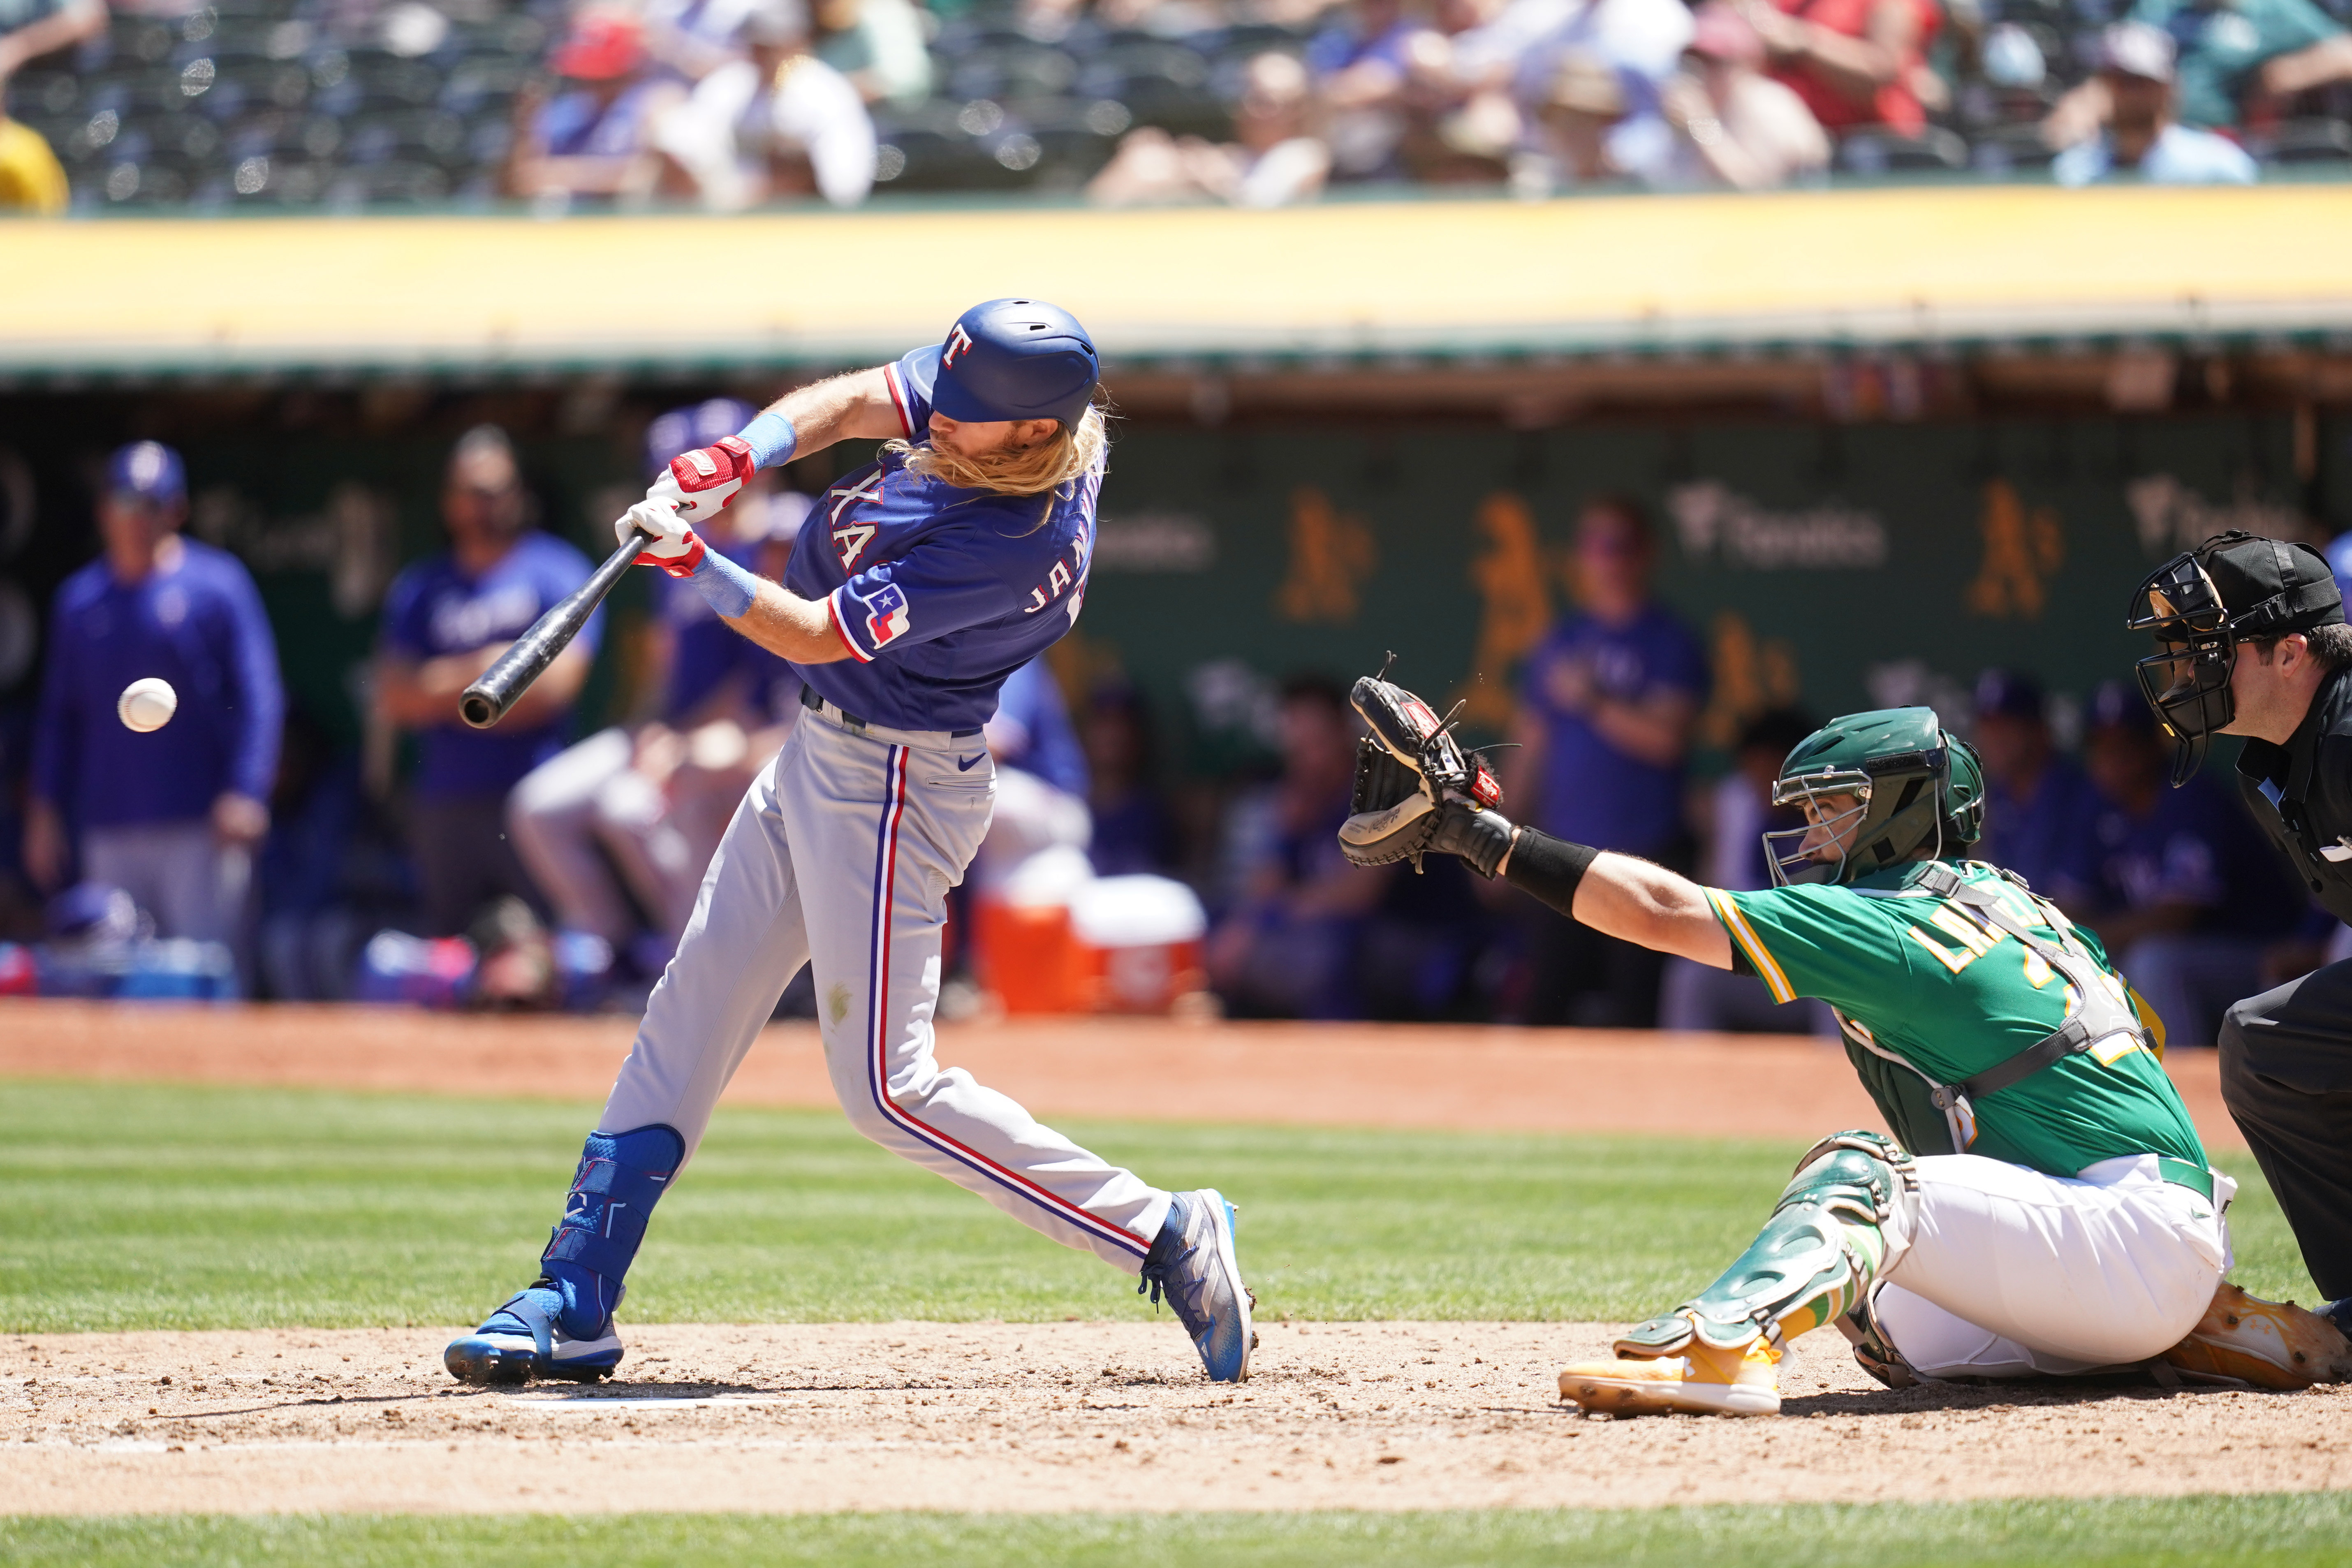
{"x":2011,"y":1272}
{"x":841,"y":857}
{"x":589,"y":798}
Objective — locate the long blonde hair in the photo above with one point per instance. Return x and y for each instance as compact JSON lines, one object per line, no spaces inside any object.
{"x":1049,"y":464}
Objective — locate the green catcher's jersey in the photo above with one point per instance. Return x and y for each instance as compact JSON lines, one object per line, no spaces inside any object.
{"x":1912,"y":977}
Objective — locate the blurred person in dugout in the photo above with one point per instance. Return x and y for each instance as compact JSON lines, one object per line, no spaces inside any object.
{"x":2186,"y":895}
{"x":31,"y":178}
{"x":1294,"y":906}
{"x":1607,"y":704}
{"x":775,"y":122}
{"x":2040,"y":812}
{"x":1042,"y":784}
{"x":2142,"y":136}
{"x":446,"y":618}
{"x":172,"y":815}
{"x":1134,"y":830}
{"x":1738,"y":811}
{"x":618,"y":829}
{"x":1275,"y":158}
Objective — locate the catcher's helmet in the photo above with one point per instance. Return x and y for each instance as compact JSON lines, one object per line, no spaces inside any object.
{"x":2198,"y":604}
{"x":1915,"y":788}
{"x":1010,"y":359}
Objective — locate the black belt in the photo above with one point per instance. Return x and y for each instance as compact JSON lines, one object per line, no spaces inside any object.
{"x":814,"y":703}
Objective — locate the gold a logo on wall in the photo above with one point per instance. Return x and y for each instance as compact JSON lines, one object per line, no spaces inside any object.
{"x":2022,"y":551}
{"x":1752,"y":675}
{"x":1515,"y":607}
{"x":1331,"y":554}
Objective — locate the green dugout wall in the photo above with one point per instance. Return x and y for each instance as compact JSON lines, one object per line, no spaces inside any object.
{"x":1834,"y":566}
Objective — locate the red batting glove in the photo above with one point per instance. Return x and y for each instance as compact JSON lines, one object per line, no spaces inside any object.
{"x":706,"y":478}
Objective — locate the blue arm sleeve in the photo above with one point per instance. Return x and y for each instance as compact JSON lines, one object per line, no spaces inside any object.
{"x":258,"y":709}
{"x":772,"y":438}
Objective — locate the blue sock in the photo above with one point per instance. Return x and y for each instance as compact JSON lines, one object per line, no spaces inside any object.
{"x":771,"y":439}
{"x":621,"y":1175}
{"x":728,"y":587}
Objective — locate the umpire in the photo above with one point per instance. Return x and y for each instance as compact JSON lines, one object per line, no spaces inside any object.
{"x":2252,"y":641}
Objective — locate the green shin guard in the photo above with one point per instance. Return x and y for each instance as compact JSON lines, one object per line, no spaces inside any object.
{"x":1844,"y":1216}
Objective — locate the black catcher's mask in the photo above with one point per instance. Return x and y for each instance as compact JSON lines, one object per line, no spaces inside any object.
{"x":2235,"y":587}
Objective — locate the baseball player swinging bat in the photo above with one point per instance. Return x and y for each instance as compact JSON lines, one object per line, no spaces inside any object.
{"x":486,"y":702}
{"x":920,"y":581}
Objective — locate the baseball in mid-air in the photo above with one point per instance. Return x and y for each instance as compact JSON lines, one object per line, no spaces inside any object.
{"x":147,"y":704}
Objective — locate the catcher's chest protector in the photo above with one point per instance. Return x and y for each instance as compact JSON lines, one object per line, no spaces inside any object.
{"x":1940,"y":1118}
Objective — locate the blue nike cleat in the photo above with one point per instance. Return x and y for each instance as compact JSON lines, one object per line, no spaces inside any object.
{"x":524,"y":1339}
{"x":1193,"y":1262}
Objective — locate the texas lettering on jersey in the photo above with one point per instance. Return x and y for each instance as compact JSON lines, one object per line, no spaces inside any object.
{"x":850,"y":536}
{"x":1071,"y":570}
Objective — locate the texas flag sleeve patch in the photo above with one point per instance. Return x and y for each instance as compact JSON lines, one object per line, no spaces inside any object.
{"x":887,"y":617}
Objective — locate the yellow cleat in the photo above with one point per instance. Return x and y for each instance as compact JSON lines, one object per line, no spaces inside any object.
{"x":1702,"y":1381}
{"x":2271,"y":1344}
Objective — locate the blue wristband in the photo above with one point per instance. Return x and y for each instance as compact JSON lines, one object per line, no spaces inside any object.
{"x":728,"y":587}
{"x":770,"y":438}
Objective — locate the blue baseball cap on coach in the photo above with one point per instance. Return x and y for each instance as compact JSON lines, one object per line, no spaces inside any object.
{"x":1010,"y":359}
{"x":146,"y":471}
{"x":697,"y":425}
{"x":2010,"y":693}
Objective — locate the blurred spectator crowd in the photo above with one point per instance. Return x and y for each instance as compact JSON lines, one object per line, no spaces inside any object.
{"x":732,"y":103}
{"x":546,"y":863}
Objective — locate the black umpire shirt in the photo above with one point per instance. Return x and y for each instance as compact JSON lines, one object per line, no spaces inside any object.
{"x":2302,"y":793}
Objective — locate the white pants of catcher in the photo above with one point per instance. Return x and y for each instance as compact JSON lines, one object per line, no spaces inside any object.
{"x":2010,"y":1272}
{"x":841,"y":857}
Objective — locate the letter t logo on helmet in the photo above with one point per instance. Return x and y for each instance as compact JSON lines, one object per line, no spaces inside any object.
{"x":1009,"y":359}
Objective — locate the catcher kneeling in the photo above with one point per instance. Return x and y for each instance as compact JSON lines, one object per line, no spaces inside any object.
{"x":2048,"y":1210}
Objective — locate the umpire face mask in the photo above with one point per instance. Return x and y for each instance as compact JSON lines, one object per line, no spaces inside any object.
{"x":2186,"y":679}
{"x":2187,"y":605}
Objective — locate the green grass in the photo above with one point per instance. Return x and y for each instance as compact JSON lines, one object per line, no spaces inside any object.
{"x":131,"y":1206}
{"x":2262,"y":1532}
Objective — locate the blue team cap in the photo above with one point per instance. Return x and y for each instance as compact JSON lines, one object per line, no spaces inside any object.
{"x":696,"y":425}
{"x":2118,"y":705}
{"x":146,"y":471}
{"x":2012,"y":693}
{"x":1010,"y":359}
{"x":2340,"y":560}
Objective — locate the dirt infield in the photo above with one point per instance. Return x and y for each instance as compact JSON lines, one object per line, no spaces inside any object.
{"x":1567,"y":1080}
{"x":1058,"y":1415}
{"x":1034,"y":1417}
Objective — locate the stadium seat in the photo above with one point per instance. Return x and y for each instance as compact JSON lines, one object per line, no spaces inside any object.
{"x":2311,"y":142}
{"x":2011,"y":148}
{"x":1878,"y":150}
{"x":1009,"y":72}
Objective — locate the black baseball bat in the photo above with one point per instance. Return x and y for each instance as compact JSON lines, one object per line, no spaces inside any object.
{"x":486,"y":702}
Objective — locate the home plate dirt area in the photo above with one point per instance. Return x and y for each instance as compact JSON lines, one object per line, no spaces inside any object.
{"x":1071,"y":1415}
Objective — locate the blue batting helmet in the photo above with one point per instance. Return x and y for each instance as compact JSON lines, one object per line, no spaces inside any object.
{"x":1010,"y":359}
